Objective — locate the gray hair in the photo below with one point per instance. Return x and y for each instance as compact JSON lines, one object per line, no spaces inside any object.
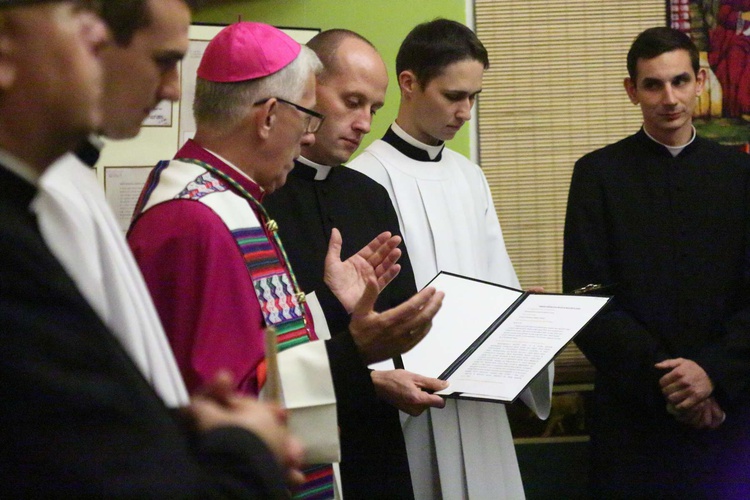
{"x":224,"y":105}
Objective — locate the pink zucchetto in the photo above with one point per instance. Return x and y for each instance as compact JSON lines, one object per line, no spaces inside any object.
{"x":245,"y":51}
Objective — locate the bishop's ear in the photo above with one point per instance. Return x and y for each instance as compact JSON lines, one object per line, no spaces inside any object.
{"x":265,"y":117}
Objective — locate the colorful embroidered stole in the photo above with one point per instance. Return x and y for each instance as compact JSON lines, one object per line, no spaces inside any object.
{"x":281,"y":300}
{"x":276,"y":289}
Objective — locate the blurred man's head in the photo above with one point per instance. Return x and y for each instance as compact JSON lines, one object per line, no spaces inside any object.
{"x":50,"y":77}
{"x":253,"y":100}
{"x":440,"y":66}
{"x":350,"y":90}
{"x":151,"y":37}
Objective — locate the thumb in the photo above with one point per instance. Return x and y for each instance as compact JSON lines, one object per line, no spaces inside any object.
{"x":220,"y":388}
{"x":334,"y":246}
{"x":432,"y":384}
{"x":366,"y":303}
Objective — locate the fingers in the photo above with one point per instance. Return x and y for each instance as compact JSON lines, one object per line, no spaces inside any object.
{"x":418,"y":398}
{"x":419,"y":324}
{"x":432,"y":385}
{"x":417,"y":309}
{"x":684,"y":401}
{"x":429,"y":383}
{"x":379,"y":336}
{"x":702,"y":418}
{"x":386,"y":254}
{"x":717,"y":415}
{"x":205,"y":412}
{"x":386,"y":276}
{"x":366,"y":303}
{"x":382,"y":254}
{"x":432,"y":400}
{"x":266,"y":421}
{"x":436,"y":401}
{"x":293,"y":461}
{"x":408,"y":323}
{"x":682,"y":396}
{"x":376,"y":244}
{"x":685,"y":385}
{"x":695,"y":417}
{"x":704,"y":415}
{"x":422,"y":400}
{"x":668,"y":364}
{"x":220,"y":388}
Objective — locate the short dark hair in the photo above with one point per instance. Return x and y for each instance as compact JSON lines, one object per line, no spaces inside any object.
{"x":654,"y":42}
{"x":125,"y":17}
{"x":432,"y":46}
{"x":326,"y":43}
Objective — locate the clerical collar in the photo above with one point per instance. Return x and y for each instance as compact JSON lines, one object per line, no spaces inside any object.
{"x":673,"y":150}
{"x":321,"y":171}
{"x":409,"y":146}
{"x":90,"y":150}
{"x":19,"y":168}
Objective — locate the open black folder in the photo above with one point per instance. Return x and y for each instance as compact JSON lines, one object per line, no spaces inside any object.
{"x":489,"y":341}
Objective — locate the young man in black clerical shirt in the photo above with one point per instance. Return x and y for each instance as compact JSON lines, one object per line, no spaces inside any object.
{"x":662,"y":217}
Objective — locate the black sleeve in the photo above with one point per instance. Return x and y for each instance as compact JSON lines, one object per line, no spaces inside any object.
{"x":619,"y":346}
{"x":77,"y":418}
{"x":351,"y":378}
{"x":727,"y":359}
{"x":241,"y":459}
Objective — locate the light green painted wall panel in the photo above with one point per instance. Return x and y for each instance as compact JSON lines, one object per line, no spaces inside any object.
{"x":384,"y":22}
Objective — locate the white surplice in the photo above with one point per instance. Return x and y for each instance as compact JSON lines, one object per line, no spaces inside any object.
{"x":79,"y":227}
{"x":449,"y":223}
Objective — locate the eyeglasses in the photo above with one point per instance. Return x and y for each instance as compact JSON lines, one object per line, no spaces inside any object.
{"x":314,"y":119}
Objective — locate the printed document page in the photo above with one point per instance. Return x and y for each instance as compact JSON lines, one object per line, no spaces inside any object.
{"x":469,"y":308}
{"x":523,"y":345}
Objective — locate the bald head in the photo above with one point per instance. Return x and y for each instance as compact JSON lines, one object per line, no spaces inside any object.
{"x":350,"y":90}
{"x":326,"y":44}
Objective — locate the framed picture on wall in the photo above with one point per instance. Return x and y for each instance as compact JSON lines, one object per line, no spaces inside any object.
{"x":721,"y":31}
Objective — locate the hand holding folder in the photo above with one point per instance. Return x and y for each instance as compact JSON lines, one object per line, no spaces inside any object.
{"x":489,"y":341}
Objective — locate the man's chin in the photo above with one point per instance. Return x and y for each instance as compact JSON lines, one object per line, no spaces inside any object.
{"x":119,"y":132}
{"x":340,"y":160}
{"x":340,"y":156}
{"x":277,"y":184}
{"x":448,"y":134}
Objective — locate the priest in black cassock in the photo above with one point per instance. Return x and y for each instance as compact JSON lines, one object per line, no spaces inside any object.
{"x":661,"y":218}
{"x":320,"y":195}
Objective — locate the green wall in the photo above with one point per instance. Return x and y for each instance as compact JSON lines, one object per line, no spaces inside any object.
{"x":384,"y":22}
